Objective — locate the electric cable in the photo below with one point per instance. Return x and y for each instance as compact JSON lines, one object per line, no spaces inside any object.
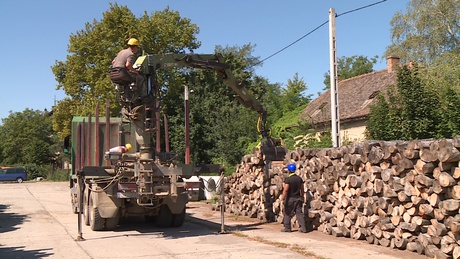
{"x":315,"y":29}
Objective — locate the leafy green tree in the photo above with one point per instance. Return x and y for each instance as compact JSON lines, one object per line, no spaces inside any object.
{"x":27,"y":138}
{"x":221,"y":128}
{"x":348,"y":67}
{"x":83,"y":75}
{"x":292,"y":100}
{"x":449,"y":114}
{"x":409,"y":112}
{"x":425,"y":31}
{"x":443,"y":71}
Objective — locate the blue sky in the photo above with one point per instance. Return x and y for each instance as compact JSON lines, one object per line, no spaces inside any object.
{"x":36,"y":34}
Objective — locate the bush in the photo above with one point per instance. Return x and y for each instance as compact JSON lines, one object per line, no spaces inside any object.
{"x":60,"y":175}
{"x":47,"y":172}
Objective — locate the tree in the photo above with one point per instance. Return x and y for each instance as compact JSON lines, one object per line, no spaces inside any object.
{"x":221,"y":128}
{"x":348,"y":67}
{"x":27,"y":138}
{"x":427,"y":30}
{"x":292,"y":100}
{"x":83,"y":75}
{"x":409,"y":112}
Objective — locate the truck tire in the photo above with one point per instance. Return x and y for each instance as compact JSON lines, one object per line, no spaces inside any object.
{"x":178,"y":219}
{"x":96,"y":222}
{"x":165,"y":217}
{"x":112,"y":223}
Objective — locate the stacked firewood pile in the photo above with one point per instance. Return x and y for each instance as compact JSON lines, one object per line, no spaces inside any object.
{"x":404,"y":195}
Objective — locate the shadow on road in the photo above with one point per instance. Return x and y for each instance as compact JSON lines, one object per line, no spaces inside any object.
{"x":10,"y":222}
{"x":192,"y":227}
{"x":18,"y":252}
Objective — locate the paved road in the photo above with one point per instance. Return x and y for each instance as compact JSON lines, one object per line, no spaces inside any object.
{"x":36,"y":222}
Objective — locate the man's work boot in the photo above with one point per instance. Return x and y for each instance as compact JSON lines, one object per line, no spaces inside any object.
{"x":302,"y":230}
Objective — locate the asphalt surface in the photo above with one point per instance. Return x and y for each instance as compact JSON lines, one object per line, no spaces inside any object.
{"x":36,"y":221}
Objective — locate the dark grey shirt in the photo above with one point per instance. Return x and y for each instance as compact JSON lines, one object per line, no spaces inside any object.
{"x":123,"y":57}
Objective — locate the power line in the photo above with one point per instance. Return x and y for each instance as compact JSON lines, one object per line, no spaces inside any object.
{"x":321,"y":25}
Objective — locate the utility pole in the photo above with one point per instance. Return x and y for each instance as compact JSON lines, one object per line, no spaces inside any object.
{"x":335,"y":116}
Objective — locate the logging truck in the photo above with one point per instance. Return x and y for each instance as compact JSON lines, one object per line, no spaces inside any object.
{"x":107,"y":186}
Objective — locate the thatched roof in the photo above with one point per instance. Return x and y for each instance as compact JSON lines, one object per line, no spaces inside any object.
{"x":355,"y":95}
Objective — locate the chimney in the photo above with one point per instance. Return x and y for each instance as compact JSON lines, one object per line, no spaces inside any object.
{"x":392,"y":63}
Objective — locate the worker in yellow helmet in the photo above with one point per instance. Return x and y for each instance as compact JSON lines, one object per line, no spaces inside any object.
{"x":121,"y":149}
{"x":123,"y":72}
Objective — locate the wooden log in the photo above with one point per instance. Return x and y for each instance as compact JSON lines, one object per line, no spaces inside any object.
{"x":344,"y":230}
{"x":424,"y":239}
{"x":455,"y":171}
{"x":359,"y":234}
{"x":336,"y":232}
{"x":378,"y":186}
{"x":415,"y":246}
{"x":434,"y":199}
{"x":423,"y":181}
{"x":440,"y":228}
{"x":446,"y":166}
{"x":446,"y":180}
{"x":456,"y":252}
{"x":426,"y":210}
{"x":389,"y":192}
{"x":384,"y":242}
{"x":454,"y":226}
{"x":420,"y":221}
{"x":375,"y":155}
{"x":451,"y":204}
{"x":411,"y":153}
{"x":386,"y":174}
{"x":428,"y":155}
{"x":449,"y":154}
{"x":370,"y":239}
{"x":401,"y":243}
{"x":448,"y":244}
{"x":422,"y":167}
{"x":355,"y":181}
{"x":411,"y":190}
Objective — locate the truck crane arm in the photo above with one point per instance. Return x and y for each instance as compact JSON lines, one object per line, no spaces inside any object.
{"x":149,"y":64}
{"x":208,"y":62}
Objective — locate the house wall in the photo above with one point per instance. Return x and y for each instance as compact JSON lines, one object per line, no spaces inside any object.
{"x":352,"y":131}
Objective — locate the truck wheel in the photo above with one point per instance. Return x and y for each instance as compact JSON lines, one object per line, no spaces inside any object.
{"x":164,"y":218}
{"x":96,"y":222}
{"x":178,"y":219}
{"x":112,"y":223}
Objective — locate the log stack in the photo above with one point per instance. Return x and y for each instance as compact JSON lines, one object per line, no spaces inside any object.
{"x":399,"y":194}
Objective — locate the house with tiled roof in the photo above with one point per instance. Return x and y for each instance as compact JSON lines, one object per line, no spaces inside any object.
{"x":354,"y":95}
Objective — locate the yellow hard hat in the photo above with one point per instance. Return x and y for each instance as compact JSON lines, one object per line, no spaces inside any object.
{"x":128,"y":146}
{"x":133,"y":42}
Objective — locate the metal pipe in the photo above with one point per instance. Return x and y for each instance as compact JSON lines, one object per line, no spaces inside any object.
{"x":96,"y":129}
{"x":158,"y":125}
{"x":166,"y":122}
{"x":187,"y":126}
{"x":89,"y":160}
{"x":107,"y":129}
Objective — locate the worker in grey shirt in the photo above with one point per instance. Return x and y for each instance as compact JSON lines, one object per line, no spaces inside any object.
{"x":122,"y":71}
